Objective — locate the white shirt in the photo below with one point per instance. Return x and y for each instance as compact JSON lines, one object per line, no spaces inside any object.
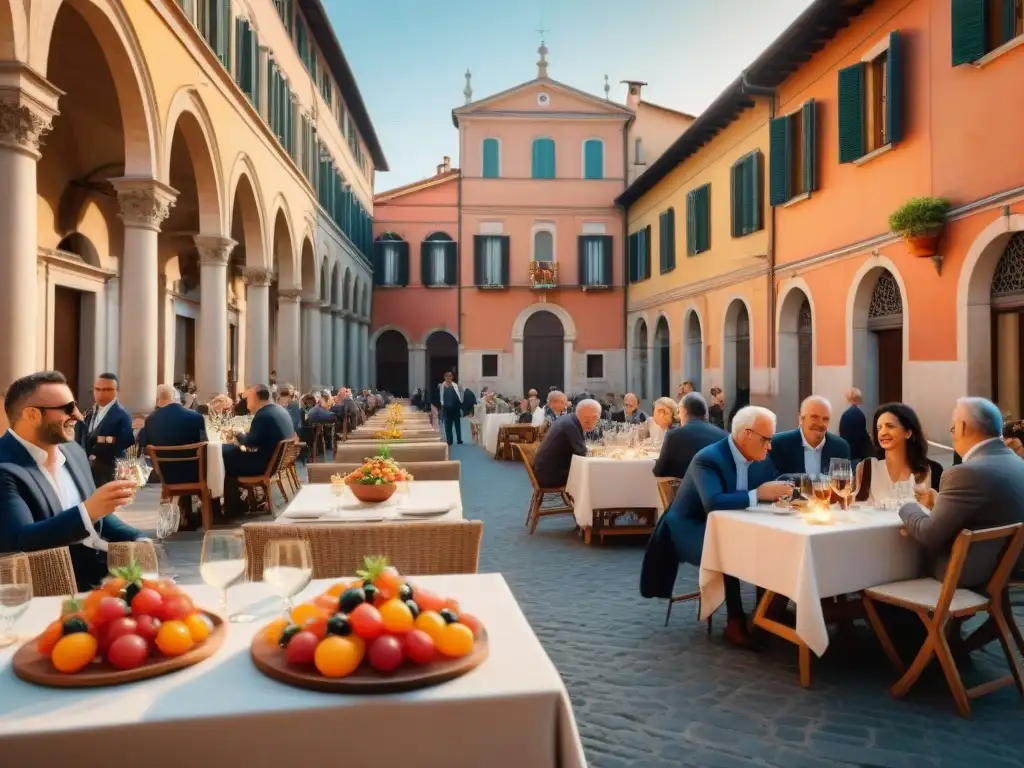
{"x":741,"y":471}
{"x":99,"y":415}
{"x":812,"y":456}
{"x":64,"y":486}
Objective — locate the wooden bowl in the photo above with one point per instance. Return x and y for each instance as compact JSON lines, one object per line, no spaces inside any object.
{"x":373,"y":494}
{"x":33,"y":667}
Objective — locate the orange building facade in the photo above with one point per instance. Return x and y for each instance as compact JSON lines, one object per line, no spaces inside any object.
{"x":894,"y":99}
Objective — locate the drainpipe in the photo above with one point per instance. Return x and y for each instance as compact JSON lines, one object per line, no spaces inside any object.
{"x":625,"y":251}
{"x":458,"y":268}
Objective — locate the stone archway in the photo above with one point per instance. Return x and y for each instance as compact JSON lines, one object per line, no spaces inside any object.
{"x":441,"y":354}
{"x":286,"y":360}
{"x":795,"y":356}
{"x":391,"y":351}
{"x":568,"y":343}
{"x":736,"y":354}
{"x":260,"y":294}
{"x":543,"y":361}
{"x":1007,"y":300}
{"x":311,"y":324}
{"x":693,"y":369}
{"x":662,"y":359}
{"x":641,"y":360}
{"x":877,"y":336}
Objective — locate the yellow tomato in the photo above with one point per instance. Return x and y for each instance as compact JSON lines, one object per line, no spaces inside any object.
{"x":197,"y":628}
{"x":174,"y":638}
{"x":430,"y":622}
{"x":337,"y":656}
{"x":305,"y":612}
{"x":274,"y":630}
{"x":455,"y":640}
{"x":73,"y":652}
{"x":397,"y":617}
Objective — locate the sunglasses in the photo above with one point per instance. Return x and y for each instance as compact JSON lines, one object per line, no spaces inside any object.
{"x":68,"y":408}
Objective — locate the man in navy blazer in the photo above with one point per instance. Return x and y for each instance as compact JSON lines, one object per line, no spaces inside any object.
{"x":853,"y":427}
{"x":684,"y":442}
{"x":47,"y":495}
{"x":106,"y":431}
{"x":734,"y":473}
{"x":270,"y":425}
{"x":811,"y":447}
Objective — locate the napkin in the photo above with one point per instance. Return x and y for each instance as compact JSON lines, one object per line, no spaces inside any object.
{"x":304,"y":514}
{"x":425,"y":510}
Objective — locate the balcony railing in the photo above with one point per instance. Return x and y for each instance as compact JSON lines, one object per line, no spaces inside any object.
{"x":543,"y":275}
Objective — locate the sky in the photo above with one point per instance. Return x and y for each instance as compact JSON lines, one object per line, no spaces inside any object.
{"x":410,"y":57}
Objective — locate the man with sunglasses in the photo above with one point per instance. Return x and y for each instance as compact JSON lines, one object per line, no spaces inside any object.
{"x":106,"y":431}
{"x":47,"y":495}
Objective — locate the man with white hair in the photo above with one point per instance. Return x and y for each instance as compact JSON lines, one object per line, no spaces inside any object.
{"x":557,"y":405}
{"x":810,"y":448}
{"x":734,"y":473}
{"x":565,"y":439}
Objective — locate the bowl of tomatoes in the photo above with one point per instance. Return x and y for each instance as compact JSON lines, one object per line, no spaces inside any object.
{"x":375,"y":633}
{"x":128,"y":629}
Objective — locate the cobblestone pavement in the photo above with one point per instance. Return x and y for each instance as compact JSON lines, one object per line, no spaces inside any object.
{"x":646,"y":695}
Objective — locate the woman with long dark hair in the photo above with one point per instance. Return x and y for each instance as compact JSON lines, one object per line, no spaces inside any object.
{"x":901,"y":454}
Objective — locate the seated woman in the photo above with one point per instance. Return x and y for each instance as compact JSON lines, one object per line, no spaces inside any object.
{"x":666,"y":414}
{"x":716,"y":409}
{"x":901,"y":455}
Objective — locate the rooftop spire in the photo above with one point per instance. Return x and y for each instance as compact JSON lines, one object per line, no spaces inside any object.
{"x":542,"y":64}
{"x":607,"y":88}
{"x":468,"y":90}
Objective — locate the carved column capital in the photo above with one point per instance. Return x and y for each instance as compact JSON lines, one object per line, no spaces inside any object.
{"x":289,"y":295}
{"x":145,"y":203}
{"x":257,"y":276}
{"x":214,"y":249}
{"x":28,"y":104}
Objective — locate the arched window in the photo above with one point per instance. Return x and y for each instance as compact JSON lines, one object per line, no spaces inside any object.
{"x":593,"y":159}
{"x":390,"y":260}
{"x":438,"y":260}
{"x":543,"y":245}
{"x":543,"y":158}
{"x":491,"y":158}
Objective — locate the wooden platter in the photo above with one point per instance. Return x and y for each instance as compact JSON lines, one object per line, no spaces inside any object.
{"x":270,"y":660}
{"x":33,"y":667}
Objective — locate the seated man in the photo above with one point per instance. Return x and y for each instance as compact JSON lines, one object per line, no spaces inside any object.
{"x":810,"y":448}
{"x":270,"y":425}
{"x":630,"y":413}
{"x":557,"y":405}
{"x":106,"y":431}
{"x":288,"y":401}
{"x":563,"y":441}
{"x":47,"y":495}
{"x":734,"y":473}
{"x":684,"y":442}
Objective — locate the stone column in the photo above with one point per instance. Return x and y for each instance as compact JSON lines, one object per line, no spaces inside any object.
{"x":327,"y":349}
{"x":257,"y":324}
{"x":212,"y":349}
{"x":288,"y":337}
{"x":338,"y":355}
{"x":364,"y":353}
{"x":354,"y":373}
{"x":145,"y":204}
{"x":311,"y":343}
{"x":28,"y":105}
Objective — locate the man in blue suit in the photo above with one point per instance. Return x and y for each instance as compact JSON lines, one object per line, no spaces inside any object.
{"x":270,"y":425}
{"x":811,"y":447}
{"x":853,"y":427}
{"x":734,"y":473}
{"x":106,"y":431}
{"x":47,"y":495}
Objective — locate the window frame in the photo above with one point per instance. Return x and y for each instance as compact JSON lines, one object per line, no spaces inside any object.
{"x":751,"y":162}
{"x":533,"y":158}
{"x":586,"y":363}
{"x":607,"y":258}
{"x":583,"y":159}
{"x":551,"y":229}
{"x":497,"y":365}
{"x":875,"y":139}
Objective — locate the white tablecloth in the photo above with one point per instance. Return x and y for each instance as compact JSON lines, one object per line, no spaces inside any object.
{"x":215,"y":469}
{"x":492,"y":422}
{"x":423,"y":494}
{"x":511,"y":712}
{"x":804,"y":562}
{"x":601,"y":483}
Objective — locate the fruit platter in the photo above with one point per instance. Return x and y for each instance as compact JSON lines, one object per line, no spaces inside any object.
{"x":376,"y":633}
{"x":375,"y":480}
{"x":128,"y":629}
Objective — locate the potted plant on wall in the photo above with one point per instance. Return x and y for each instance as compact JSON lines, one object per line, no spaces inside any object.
{"x":920,"y":222}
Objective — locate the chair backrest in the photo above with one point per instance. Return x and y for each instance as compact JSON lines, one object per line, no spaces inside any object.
{"x":529,"y":453}
{"x":1014,"y":537}
{"x":420,"y":470}
{"x":356,"y":452}
{"x":419,"y":548}
{"x":667,"y":487}
{"x":53,"y":574}
{"x":178,"y":455}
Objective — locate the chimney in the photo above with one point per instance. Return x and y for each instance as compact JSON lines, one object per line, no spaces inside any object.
{"x":445,"y":166}
{"x":633,"y":96}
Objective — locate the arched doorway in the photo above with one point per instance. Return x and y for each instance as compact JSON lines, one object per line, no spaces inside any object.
{"x":694,"y":368}
{"x":543,"y":353}
{"x":1007,"y":299}
{"x":736,"y":353}
{"x":640,"y":360}
{"x":877,"y":349}
{"x":392,"y":350}
{"x":795,"y":357}
{"x":662,"y":360}
{"x":442,"y":351}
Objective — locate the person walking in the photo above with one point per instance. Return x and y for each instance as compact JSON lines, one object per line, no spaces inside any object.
{"x":449,"y":402}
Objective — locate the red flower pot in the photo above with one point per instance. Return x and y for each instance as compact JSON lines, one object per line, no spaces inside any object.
{"x":373,"y":494}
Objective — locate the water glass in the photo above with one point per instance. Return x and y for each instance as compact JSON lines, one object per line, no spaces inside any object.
{"x":287,"y":568}
{"x":15,"y":594}
{"x":222,"y":565}
{"x":840,"y":474}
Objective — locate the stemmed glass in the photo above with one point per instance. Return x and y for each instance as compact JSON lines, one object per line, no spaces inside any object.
{"x":135,"y":470}
{"x":287,"y":568}
{"x":822,"y":488}
{"x":15,"y":594}
{"x":840,"y":474}
{"x":168,"y":518}
{"x":222,"y":565}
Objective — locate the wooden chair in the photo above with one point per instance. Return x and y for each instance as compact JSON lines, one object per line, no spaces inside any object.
{"x":510,"y":435}
{"x":317,"y":438}
{"x":288,"y":471}
{"x":272,"y":475}
{"x":537,"y":510}
{"x":420,"y":548}
{"x":179,"y":455}
{"x":935,"y":603}
{"x":420,"y":470}
{"x":53,"y":575}
{"x":667,"y":488}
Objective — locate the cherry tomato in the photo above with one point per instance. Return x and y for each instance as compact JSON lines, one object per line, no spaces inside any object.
{"x":147,"y":601}
{"x":176,"y":609}
{"x":127,"y":652}
{"x":366,"y":622}
{"x":92,"y":600}
{"x":396,"y":616}
{"x":455,"y":640}
{"x":111,"y":608}
{"x":302,"y":648}
{"x":388,"y":582}
{"x":114,"y":587}
{"x":338,"y":656}
{"x":273,"y":631}
{"x":428,"y":601}
{"x":317,"y":626}
{"x":304,"y":612}
{"x":147,"y":627}
{"x":385,"y":653}
{"x":49,"y":638}
{"x":73,"y":652}
{"x":173,"y":638}
{"x":118,"y":627}
{"x":197,"y":627}
{"x":418,"y":647}
{"x":430,"y":622}
{"x":472,"y":622}
{"x":326,"y":602}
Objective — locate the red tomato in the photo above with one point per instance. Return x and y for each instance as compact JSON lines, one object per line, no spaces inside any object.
{"x":176,"y":609}
{"x":147,"y":627}
{"x":111,"y":608}
{"x":366,"y":622}
{"x":472,"y":622}
{"x":302,"y":648}
{"x":388,"y":582}
{"x":418,"y":647}
{"x":123,"y":626}
{"x":385,"y":653}
{"x":317,"y":626}
{"x":147,"y":601}
{"x":127,"y":652}
{"x":427,"y":600}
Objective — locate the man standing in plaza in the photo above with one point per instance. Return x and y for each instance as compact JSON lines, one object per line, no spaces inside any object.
{"x":106,"y":431}
{"x":449,"y":403}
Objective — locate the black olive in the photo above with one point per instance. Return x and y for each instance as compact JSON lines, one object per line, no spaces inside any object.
{"x":73,"y":625}
{"x":371,"y":593}
{"x":338,"y":625}
{"x":289,"y":632}
{"x":131,"y":591}
{"x":350,"y":598}
{"x":405,"y":592}
{"x":449,"y":617}
{"x":413,"y":607}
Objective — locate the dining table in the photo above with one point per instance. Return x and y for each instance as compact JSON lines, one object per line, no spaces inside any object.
{"x":603,"y":482}
{"x":431,"y":500}
{"x":511,"y":711}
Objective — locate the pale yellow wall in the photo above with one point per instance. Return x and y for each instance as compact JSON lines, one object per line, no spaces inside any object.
{"x":712,"y":164}
{"x":657,"y":129}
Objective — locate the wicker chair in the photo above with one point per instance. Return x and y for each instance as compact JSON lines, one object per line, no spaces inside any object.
{"x":667,"y":487}
{"x":271,"y":476}
{"x":354,"y":452}
{"x":162,"y":456}
{"x":53,"y":575}
{"x":288,"y":470}
{"x":537,"y":510}
{"x":420,"y":470}
{"x":419,"y":548}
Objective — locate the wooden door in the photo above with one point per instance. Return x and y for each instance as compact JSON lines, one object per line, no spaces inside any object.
{"x":543,"y":353}
{"x":392,"y":356}
{"x":67,"y":329}
{"x":890,"y":365}
{"x":442,"y":357}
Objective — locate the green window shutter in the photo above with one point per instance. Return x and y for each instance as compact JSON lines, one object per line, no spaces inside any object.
{"x":1008,"y":21}
{"x":543,"y":159}
{"x":663,"y":242}
{"x":593,"y":159}
{"x":736,"y":198}
{"x":239,"y":58}
{"x":403,"y":264}
{"x":779,"y":152}
{"x":550,"y":155}
{"x":535,"y":160}
{"x":895,"y":90}
{"x":478,"y":259}
{"x":491,"y":158}
{"x":704,"y":218}
{"x":647,"y":253}
{"x":671,"y":212}
{"x":851,"y":113}
{"x":810,"y":145}
{"x":224,"y":28}
{"x":969,"y":20}
{"x":691,"y":222}
{"x":752,"y":193}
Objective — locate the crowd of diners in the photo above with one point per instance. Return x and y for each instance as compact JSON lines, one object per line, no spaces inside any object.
{"x":57,"y":465}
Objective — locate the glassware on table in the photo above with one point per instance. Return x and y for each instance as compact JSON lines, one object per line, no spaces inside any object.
{"x":840,"y":474}
{"x":122,"y":554}
{"x":806,"y":487}
{"x":222,"y":565}
{"x":15,"y":594}
{"x":903,"y":492}
{"x":822,"y":488}
{"x":784,"y":500}
{"x":287,"y":568}
{"x":135,"y":470}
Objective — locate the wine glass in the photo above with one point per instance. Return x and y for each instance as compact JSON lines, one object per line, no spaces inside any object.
{"x":222,"y":565}
{"x":806,"y":487}
{"x":122,"y":554}
{"x":822,"y":487}
{"x":15,"y":593}
{"x":840,"y":474}
{"x":287,"y":568}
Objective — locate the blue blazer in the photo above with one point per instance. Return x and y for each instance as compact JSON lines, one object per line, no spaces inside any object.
{"x":31,"y":517}
{"x":174,"y":424}
{"x":788,"y":451}
{"x":709,"y":485}
{"x":270,"y":425}
{"x":116,"y":424}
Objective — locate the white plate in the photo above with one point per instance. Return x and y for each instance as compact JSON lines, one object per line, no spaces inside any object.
{"x":303,"y":514}
{"x":782,"y":510}
{"x":424,"y":511}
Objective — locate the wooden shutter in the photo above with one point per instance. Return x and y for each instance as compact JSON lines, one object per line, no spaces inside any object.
{"x":581,"y":259}
{"x":378,"y":263}
{"x":704,"y":218}
{"x":403,"y":263}
{"x":779,"y":152}
{"x":736,"y":198}
{"x":895,"y":90}
{"x":691,"y":222}
{"x":809,"y":122}
{"x":593,"y":159}
{"x":490,"y":170}
{"x":969,"y":20}
{"x":647,"y":252}
{"x":478,"y":259}
{"x":1008,"y":20}
{"x":752,"y":193}
{"x":425,"y":272}
{"x":851,"y":113}
{"x":506,"y":249}
{"x":631,"y":258}
{"x":607,"y":244}
{"x":240,"y":58}
{"x":224,"y":31}
{"x":537,"y":159}
{"x":451,"y":263}
{"x":549,"y":158}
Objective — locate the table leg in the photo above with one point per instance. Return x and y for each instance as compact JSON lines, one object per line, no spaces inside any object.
{"x":786,"y":633}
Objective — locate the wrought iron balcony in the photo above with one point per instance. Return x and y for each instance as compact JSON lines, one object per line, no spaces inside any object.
{"x":543,"y":275}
